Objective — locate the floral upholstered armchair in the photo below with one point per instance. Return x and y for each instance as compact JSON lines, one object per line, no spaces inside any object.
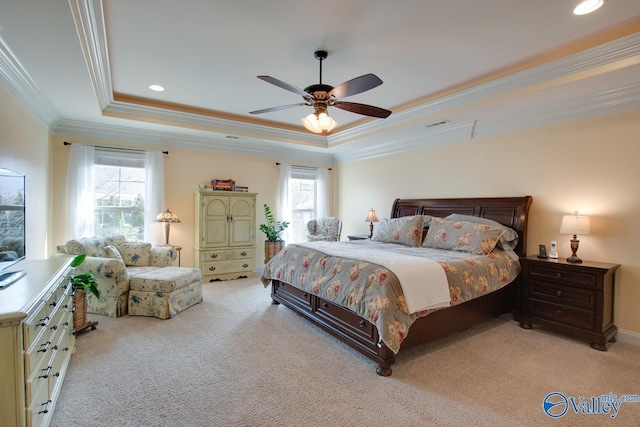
{"x":327,"y":229}
{"x":113,"y":260}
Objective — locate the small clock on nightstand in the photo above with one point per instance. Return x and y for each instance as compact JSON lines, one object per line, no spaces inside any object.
{"x":575,"y":299}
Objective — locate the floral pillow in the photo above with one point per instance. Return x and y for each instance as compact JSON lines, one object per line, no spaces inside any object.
{"x":479,"y":239}
{"x":406,"y":230}
{"x":134,"y":253}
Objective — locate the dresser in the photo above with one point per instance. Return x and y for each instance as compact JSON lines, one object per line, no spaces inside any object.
{"x":36,"y":338}
{"x":575,"y":299}
{"x":225,"y":236}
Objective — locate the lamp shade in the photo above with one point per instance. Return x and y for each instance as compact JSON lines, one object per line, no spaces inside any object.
{"x":371,"y":216}
{"x":575,"y":224}
{"x":319,"y":122}
{"x":167,"y":216}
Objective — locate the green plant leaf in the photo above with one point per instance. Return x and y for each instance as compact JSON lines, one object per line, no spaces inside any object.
{"x":79,"y":259}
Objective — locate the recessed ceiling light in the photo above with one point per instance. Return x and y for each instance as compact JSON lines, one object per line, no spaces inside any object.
{"x":157,"y":88}
{"x":588,"y":6}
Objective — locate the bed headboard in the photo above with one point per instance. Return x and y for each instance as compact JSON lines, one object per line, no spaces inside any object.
{"x":510,"y":211}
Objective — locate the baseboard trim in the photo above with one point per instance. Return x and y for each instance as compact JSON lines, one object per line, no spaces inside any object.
{"x":628,"y":337}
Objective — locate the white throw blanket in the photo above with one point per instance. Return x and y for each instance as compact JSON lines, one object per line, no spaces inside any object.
{"x":424,"y":282}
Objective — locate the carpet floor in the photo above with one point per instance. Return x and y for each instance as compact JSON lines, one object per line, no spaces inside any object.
{"x":237,"y":360}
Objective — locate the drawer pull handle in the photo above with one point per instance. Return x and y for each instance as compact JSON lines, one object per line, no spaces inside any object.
{"x":53,"y":304}
{"x":212,"y":268}
{"x":362,"y":323}
{"x":325,"y":305}
{"x":47,"y":407}
{"x":43,"y":322}
{"x":46,"y":372}
{"x":245,"y":265}
{"x":46,"y":347}
{"x":559,"y":293}
{"x":558,"y":312}
{"x":54,"y":327}
{"x":551,"y":276}
{"x":243,"y":253}
{"x":304,"y":294}
{"x":65,"y":349}
{"x":214,"y":256}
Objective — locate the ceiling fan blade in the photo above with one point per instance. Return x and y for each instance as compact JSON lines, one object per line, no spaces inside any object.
{"x":282,"y":107}
{"x":284,"y":85}
{"x":364,"y":109}
{"x":356,"y":85}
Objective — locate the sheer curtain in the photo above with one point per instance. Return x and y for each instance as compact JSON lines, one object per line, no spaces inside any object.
{"x":286,"y":213}
{"x":322,"y":207}
{"x":79,"y":191}
{"x":154,"y":195}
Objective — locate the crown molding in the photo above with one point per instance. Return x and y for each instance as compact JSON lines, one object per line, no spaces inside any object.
{"x":23,"y":88}
{"x":88,"y":16}
{"x":195,"y":140}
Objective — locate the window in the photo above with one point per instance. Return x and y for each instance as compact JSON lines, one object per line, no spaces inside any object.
{"x":306,"y":192}
{"x":114,"y":190}
{"x":303,"y":190}
{"x":119,"y":201}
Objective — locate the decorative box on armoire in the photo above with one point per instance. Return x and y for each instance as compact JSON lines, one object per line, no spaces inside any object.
{"x":225,"y":238}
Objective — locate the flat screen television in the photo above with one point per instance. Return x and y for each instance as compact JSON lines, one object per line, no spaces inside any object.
{"x":12,"y":218}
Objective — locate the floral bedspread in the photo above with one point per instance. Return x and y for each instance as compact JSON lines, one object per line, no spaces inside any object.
{"x":374,"y":292}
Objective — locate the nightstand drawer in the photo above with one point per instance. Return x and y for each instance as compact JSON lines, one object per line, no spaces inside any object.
{"x":565,"y":295}
{"x":550,"y":274}
{"x":563,"y":314}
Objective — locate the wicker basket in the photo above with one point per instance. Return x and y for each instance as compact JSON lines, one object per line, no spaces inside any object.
{"x":271,"y":249}
{"x":80,"y":309}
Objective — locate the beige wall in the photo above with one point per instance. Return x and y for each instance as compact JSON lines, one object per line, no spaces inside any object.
{"x":24,"y":148}
{"x":590,"y":166}
{"x":184,"y":168}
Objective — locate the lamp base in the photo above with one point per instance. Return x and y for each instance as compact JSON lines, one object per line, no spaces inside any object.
{"x":574,"y":259}
{"x":371,"y":230}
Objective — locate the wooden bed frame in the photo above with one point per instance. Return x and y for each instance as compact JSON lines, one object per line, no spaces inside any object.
{"x":362,"y":335}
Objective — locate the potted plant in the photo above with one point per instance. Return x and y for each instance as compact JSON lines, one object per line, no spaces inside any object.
{"x":81,"y":283}
{"x":273,"y":230}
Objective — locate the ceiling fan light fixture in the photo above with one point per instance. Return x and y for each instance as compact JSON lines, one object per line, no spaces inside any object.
{"x":318,"y":123}
{"x":587,"y":6}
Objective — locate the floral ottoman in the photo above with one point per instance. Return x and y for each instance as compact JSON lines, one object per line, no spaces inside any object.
{"x":164,"y":292}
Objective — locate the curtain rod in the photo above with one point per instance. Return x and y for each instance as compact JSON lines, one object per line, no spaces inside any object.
{"x":300,"y":166}
{"x":136,"y":150}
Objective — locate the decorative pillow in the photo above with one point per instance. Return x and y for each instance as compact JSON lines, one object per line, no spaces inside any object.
{"x":85,"y":245}
{"x":134,"y":253}
{"x":110,"y":252}
{"x":508,"y":240}
{"x":406,"y":230}
{"x":479,"y":239}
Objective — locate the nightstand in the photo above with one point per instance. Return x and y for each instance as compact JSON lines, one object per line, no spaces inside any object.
{"x":358,"y":237}
{"x":575,"y":299}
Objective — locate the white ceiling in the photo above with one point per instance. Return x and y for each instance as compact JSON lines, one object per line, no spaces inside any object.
{"x":485,"y":67}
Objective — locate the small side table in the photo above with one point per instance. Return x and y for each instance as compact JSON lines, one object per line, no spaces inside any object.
{"x":358,"y":237}
{"x":178,"y":248}
{"x":575,"y":299}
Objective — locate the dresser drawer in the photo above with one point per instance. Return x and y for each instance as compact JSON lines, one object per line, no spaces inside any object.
{"x":35,"y":323}
{"x":565,"y":295}
{"x":583,"y":319}
{"x":348,"y":321}
{"x":222,"y":267}
{"x":549,"y":274}
{"x":228,"y":254}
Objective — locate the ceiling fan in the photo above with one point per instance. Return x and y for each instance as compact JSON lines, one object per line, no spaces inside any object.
{"x":321,"y":96}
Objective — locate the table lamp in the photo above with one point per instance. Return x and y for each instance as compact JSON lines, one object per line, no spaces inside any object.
{"x":575,"y":224}
{"x":167,"y":217}
{"x":371,"y":218}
